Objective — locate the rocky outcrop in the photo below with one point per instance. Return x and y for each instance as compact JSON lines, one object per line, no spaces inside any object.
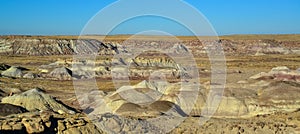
{"x":43,"y":114}
{"x":47,"y":122}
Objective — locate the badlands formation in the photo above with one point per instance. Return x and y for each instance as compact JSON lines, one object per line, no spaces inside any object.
{"x":46,"y":87}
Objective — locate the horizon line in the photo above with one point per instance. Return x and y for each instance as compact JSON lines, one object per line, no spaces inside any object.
{"x":146,"y":35}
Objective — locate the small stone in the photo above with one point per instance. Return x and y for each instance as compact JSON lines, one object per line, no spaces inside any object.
{"x":61,"y":112}
{"x":104,"y":119}
{"x":71,"y":112}
{"x":48,"y":124}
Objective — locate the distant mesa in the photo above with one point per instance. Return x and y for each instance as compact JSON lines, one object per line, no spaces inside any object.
{"x":60,"y":46}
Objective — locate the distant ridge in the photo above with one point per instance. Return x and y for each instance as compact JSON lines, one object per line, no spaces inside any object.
{"x":279,"y":37}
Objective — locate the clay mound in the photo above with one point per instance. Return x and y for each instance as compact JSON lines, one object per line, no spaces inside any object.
{"x":8,"y":109}
{"x":231,"y":107}
{"x":167,"y":107}
{"x":154,"y":110}
{"x":36,"y":99}
{"x":281,"y":69}
{"x":264,"y":93}
{"x":281,"y":92}
{"x":279,"y":74}
{"x":129,"y":109}
{"x":13,"y":72}
{"x":147,"y":102}
{"x":61,"y":74}
{"x":179,"y":49}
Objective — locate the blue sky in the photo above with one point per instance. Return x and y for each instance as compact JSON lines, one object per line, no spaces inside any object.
{"x":68,"y":17}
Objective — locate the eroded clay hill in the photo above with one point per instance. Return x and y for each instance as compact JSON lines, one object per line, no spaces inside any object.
{"x":37,"y":95}
{"x":46,"y":47}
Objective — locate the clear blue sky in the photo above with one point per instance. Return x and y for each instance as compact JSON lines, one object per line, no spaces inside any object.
{"x":68,"y":17}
